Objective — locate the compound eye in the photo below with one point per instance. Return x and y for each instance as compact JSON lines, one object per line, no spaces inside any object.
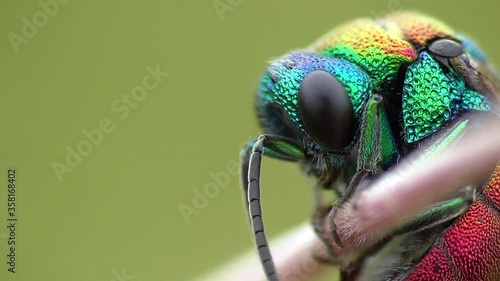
{"x":326,"y":110}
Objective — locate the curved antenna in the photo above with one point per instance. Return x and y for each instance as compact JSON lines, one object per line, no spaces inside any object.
{"x":255,"y":209}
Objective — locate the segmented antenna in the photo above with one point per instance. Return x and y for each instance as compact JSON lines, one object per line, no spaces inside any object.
{"x":255,"y":210}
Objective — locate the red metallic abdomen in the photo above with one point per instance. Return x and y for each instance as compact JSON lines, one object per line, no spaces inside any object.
{"x":470,"y":249}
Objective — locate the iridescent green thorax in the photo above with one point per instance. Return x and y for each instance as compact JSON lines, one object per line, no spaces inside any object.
{"x":383,"y":68}
{"x":431,"y":98}
{"x":368,"y":45}
{"x":417,"y":28}
{"x":384,"y":46}
{"x":280,"y":85}
{"x":370,"y":56}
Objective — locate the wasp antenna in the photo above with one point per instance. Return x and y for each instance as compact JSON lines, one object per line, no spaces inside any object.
{"x":255,"y":209}
{"x":244,"y":167}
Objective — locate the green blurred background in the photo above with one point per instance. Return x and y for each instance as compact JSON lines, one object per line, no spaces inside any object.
{"x":120,"y":207}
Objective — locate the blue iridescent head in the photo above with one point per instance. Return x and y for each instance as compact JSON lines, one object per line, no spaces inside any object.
{"x":312,"y":98}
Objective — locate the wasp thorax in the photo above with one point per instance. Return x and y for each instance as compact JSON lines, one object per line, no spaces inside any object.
{"x":326,"y":110}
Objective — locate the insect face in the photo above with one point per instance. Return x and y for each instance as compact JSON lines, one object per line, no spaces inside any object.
{"x":349,"y":108}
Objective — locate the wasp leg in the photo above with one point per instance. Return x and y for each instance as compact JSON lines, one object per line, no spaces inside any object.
{"x":320,"y":230}
{"x":251,"y":160}
{"x":439,"y":214}
{"x":377,"y":149}
{"x":358,"y":244}
{"x":353,"y":235}
{"x":361,"y":227}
